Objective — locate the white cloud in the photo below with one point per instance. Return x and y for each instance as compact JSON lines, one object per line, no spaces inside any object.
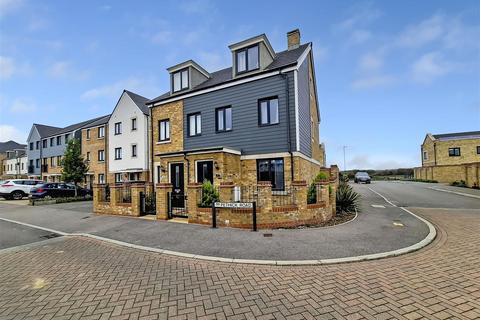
{"x":360,"y":36}
{"x":9,"y":68}
{"x":429,"y":67}
{"x":423,"y":33}
{"x":371,"y":62}
{"x":9,"y":132}
{"x":213,"y":61}
{"x":22,"y":106}
{"x":360,"y":15}
{"x":9,"y":6}
{"x":373,"y":81}
{"x":141,"y":86}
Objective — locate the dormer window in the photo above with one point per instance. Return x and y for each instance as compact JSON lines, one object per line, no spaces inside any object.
{"x":247,"y":59}
{"x":180,"y":80}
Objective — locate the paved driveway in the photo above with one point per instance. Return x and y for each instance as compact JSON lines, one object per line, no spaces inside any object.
{"x":78,"y":278}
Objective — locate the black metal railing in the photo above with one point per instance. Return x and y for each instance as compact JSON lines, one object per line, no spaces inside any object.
{"x":44,"y":168}
{"x":105,"y":193}
{"x":31,"y":169}
{"x":125,"y":194}
{"x":281,"y":198}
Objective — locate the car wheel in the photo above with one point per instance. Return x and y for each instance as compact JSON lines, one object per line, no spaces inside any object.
{"x":17,"y":195}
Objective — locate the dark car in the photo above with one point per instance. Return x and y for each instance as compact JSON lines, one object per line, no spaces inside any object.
{"x":362,"y":177}
{"x":57,"y":190}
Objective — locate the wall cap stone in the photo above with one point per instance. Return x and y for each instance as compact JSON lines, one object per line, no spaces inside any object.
{"x":299,"y":183}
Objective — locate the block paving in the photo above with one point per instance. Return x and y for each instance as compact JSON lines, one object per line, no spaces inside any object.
{"x":79,"y":278}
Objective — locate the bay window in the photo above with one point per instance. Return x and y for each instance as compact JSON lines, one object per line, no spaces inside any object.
{"x":271,"y":170}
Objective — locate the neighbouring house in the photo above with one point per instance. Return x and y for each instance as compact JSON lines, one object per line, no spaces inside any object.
{"x":128,"y":143}
{"x":95,"y":150}
{"x":35,"y":148}
{"x":6,"y":149}
{"x":15,"y":164}
{"x":451,"y":157}
{"x":257,"y":120}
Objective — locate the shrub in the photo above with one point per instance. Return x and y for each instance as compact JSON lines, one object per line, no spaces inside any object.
{"x":460,"y":183}
{"x":321,"y":176}
{"x":424,"y":180}
{"x":312,"y":194}
{"x":347,"y":199}
{"x":209,"y":194}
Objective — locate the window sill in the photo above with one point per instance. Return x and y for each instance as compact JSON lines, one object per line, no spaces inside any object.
{"x":268,"y":124}
{"x":163,"y":142}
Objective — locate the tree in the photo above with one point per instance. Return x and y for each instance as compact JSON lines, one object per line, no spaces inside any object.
{"x":74,"y":167}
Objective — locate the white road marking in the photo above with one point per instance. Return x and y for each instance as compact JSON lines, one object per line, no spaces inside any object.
{"x":386,"y":200}
{"x":378,"y":206}
{"x":456,"y":192}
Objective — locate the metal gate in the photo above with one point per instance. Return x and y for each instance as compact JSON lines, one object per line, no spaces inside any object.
{"x":148,"y":203}
{"x":177,"y":205}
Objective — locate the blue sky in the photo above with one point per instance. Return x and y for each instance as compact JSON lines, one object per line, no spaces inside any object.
{"x":387,"y":72}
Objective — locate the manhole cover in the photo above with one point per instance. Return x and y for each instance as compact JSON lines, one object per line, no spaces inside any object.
{"x":85,"y":217}
{"x":50,"y":236}
{"x":268,"y":235}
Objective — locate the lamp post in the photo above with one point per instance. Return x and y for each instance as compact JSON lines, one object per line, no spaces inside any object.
{"x":344,"y":159}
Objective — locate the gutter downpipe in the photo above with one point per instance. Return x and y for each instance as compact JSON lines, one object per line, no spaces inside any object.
{"x":152,"y":172}
{"x":289,"y":138}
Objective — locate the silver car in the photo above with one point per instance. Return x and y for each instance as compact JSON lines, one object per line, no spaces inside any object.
{"x":362,"y":177}
{"x":17,"y":188}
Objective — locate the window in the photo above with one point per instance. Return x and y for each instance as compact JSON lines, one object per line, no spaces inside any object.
{"x":194,"y":124}
{"x":164,"y":130}
{"x":268,"y":111}
{"x":454,"y":152}
{"x":247,"y":59}
{"x":134,"y":124}
{"x":101,"y":155}
{"x":271,"y":170}
{"x":204,"y":171}
{"x":37,"y":145}
{"x":425,"y":155}
{"x":22,"y":165}
{"x":88,"y":156}
{"x":118,"y":153}
{"x":52,"y":162}
{"x":118,"y":128}
{"x":134,"y":150}
{"x":31,"y":163}
{"x":101,"y":132}
{"x":59,"y":140}
{"x":59,"y":160}
{"x":180,"y":80}
{"x":67,"y":137}
{"x":478,"y":149}
{"x":37,"y":163}
{"x":52,"y":142}
{"x":159,"y":173}
{"x":44,"y":143}
{"x":88,"y":133}
{"x":31,"y":145}
{"x":224,"y":119}
{"x":134,"y":176}
{"x":118,"y":177}
{"x":101,"y":178}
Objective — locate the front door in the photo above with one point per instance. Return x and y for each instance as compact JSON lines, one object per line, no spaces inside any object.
{"x":176,"y":179}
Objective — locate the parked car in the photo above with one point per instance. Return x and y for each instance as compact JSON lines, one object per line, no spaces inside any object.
{"x":362,"y":177}
{"x":57,"y":190}
{"x":17,"y":188}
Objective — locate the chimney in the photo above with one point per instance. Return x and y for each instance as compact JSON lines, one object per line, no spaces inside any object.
{"x":293,"y":38}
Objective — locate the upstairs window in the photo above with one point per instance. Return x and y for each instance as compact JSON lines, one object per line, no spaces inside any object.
{"x":247,"y":59}
{"x":101,"y":155}
{"x":164,"y":130}
{"x":180,"y":80}
{"x":134,"y":124}
{"x":59,"y":140}
{"x":224,"y":119}
{"x":37,"y":145}
{"x":101,"y":132}
{"x":118,"y":153}
{"x":52,"y":142}
{"x":31,"y":145}
{"x":44,"y":143}
{"x":88,"y":133}
{"x":425,"y":155}
{"x":118,"y":128}
{"x":134,"y":150}
{"x":478,"y":149}
{"x":454,"y":152}
{"x":268,"y":111}
{"x":194,"y":124}
{"x":67,"y":137}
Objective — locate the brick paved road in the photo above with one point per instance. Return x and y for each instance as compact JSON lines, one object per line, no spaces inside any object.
{"x":73,"y":278}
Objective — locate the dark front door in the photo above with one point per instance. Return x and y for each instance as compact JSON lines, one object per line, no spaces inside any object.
{"x":176,"y":178}
{"x":204,"y":171}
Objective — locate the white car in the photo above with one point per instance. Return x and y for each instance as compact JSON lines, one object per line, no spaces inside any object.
{"x":17,"y":188}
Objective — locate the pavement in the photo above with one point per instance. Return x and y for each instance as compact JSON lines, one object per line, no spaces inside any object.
{"x":380,"y":227}
{"x":80,"y":278}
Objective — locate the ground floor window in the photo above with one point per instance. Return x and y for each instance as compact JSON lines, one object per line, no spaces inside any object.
{"x":118,"y":177}
{"x":134,"y":176}
{"x":101,"y":178}
{"x":271,"y":170}
{"x":204,"y":171}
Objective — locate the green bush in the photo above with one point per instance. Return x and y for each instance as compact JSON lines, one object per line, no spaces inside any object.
{"x":209,"y":194}
{"x":460,"y":183}
{"x":347,"y":199}
{"x":321,"y":176}
{"x":312,"y":194}
{"x":424,"y":180}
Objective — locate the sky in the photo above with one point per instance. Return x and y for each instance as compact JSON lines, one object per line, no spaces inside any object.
{"x":387,"y":72}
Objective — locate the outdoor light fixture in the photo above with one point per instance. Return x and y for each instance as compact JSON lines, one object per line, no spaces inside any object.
{"x":215,"y":163}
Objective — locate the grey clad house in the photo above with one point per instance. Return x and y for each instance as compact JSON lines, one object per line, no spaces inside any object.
{"x":34,"y":148}
{"x":257,"y":120}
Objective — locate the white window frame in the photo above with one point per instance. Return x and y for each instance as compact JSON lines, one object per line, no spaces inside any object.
{"x":119,"y":155}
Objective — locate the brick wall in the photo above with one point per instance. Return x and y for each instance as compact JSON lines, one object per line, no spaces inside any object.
{"x":93,"y":145}
{"x":470,"y":173}
{"x":437,"y":152}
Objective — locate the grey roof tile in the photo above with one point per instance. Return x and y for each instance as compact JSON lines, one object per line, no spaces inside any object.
{"x":11,"y":145}
{"x":139,"y":101}
{"x":45,"y":131}
{"x":458,"y":135}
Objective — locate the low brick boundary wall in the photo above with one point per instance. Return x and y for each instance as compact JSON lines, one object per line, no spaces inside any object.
{"x":470,"y":173}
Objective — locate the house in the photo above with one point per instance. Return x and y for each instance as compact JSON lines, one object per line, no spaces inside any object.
{"x":128,"y":144}
{"x":94,"y":150}
{"x":15,"y":164}
{"x":35,"y":148}
{"x":450,"y":157}
{"x":257,"y":120}
{"x":7,"y":149}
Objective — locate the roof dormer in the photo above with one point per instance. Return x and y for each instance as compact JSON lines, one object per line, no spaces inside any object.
{"x":251,"y":55}
{"x":186,"y":76}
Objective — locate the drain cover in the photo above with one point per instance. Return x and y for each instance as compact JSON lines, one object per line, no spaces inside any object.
{"x":50,"y":236}
{"x":268,"y":235}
